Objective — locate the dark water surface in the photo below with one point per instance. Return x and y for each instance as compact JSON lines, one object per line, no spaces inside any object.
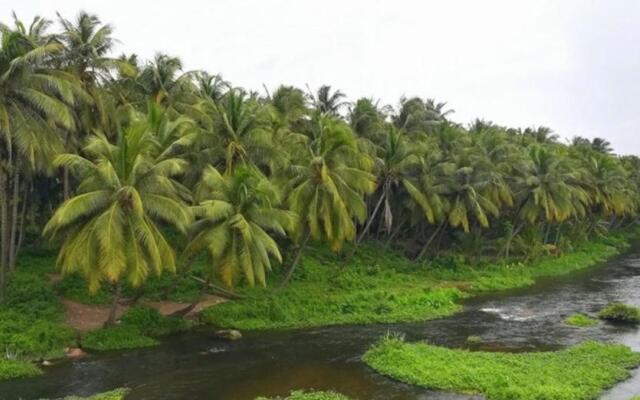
{"x":194,"y":366}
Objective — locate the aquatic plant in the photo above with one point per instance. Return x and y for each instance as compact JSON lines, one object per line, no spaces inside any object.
{"x":619,"y":312}
{"x":580,"y":372}
{"x":580,"y":320}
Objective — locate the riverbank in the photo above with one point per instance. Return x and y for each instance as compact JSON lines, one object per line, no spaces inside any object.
{"x":381,"y":286}
{"x":580,"y":372}
{"x":375,"y":286}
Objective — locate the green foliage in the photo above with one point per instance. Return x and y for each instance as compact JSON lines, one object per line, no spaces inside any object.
{"x":473,"y":340}
{"x":619,"y":312}
{"x":305,"y":395}
{"x":580,"y":320}
{"x":370,"y":289}
{"x":116,"y":338}
{"x":10,"y":369}
{"x":379,"y":285}
{"x":579,"y":372}
{"x":149,"y":322}
{"x":138,"y":327}
{"x":30,"y":318}
{"x":237,"y":211}
{"x":74,"y":286}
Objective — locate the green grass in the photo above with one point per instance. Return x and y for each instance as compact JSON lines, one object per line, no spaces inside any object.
{"x":117,"y":338}
{"x":17,"y":369}
{"x":579,"y":372}
{"x":618,"y":312}
{"x":31,"y":319}
{"x":382,"y":286}
{"x":139,"y":326}
{"x":302,"y":395}
{"x":580,"y":320}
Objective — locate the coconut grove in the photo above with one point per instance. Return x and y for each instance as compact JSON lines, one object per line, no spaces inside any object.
{"x":140,"y":201}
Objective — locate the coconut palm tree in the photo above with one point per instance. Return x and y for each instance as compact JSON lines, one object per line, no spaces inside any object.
{"x":109,"y":229}
{"x":328,"y":191}
{"x":326,"y":102}
{"x":548,"y":190}
{"x":395,"y":161}
{"x":236,"y":135}
{"x":238,"y":215}
{"x":601,"y":145}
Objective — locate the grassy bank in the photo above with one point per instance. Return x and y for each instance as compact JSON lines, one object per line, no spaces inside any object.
{"x":31,"y":319}
{"x":379,"y":285}
{"x":579,"y":372}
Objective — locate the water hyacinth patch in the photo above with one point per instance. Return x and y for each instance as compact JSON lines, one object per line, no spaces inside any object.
{"x":580,"y":372}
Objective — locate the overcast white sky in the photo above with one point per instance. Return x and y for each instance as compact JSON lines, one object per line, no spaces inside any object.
{"x":571,"y":65}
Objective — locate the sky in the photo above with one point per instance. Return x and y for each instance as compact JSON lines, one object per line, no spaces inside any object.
{"x":571,"y":65}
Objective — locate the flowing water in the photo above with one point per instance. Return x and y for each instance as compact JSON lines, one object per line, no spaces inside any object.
{"x":194,"y":366}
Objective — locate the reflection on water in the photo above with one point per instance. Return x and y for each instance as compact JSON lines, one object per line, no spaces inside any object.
{"x":195,"y":366}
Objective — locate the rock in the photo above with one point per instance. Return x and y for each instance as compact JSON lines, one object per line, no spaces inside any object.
{"x":228,"y":334}
{"x":46,"y":363}
{"x":75,"y":352}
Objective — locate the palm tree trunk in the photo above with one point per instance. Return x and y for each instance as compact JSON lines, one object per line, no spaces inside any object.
{"x":555,"y":243}
{"x":431,"y":238}
{"x":4,"y":234}
{"x":23,"y":218}
{"x":179,"y":278}
{"x":512,"y":234}
{"x":393,"y":235}
{"x":113,"y":312}
{"x":186,"y":310}
{"x":295,"y":262}
{"x":66,"y":184}
{"x":371,"y":218}
{"x":15,"y":201}
{"x":546,"y":233}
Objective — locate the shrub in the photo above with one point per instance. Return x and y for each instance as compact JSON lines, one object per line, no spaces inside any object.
{"x":75,"y":287}
{"x":115,"y":338}
{"x":580,"y":320}
{"x":619,"y":312}
{"x":474,"y":340}
{"x":29,"y":294}
{"x":150,"y":322}
{"x":10,"y":369}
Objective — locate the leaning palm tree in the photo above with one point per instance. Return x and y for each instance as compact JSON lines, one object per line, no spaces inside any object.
{"x":109,"y":230}
{"x":548,"y":190}
{"x":239,"y":214}
{"x":328,"y":190}
{"x":393,"y":165}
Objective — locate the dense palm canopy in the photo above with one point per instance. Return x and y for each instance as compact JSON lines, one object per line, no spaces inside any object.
{"x":249,"y":179}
